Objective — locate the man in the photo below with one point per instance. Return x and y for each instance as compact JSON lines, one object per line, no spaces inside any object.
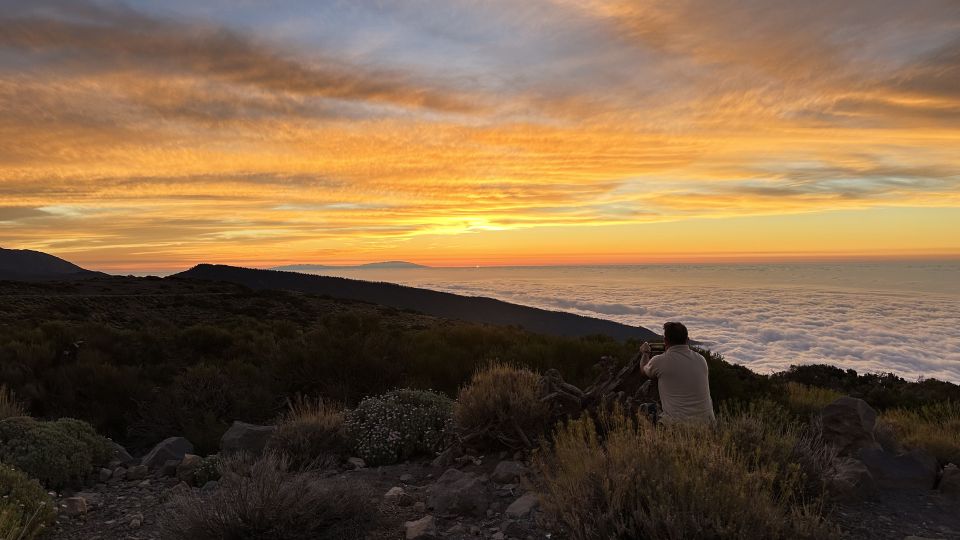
{"x":683,"y":377}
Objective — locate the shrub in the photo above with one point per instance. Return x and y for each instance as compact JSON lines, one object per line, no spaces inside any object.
{"x":501,"y":406}
{"x":636,"y":481}
{"x":270,"y":502}
{"x":25,"y":508}
{"x":399,"y":425}
{"x":806,"y":400}
{"x":9,"y":406}
{"x":59,"y":454}
{"x":208,"y":470}
{"x":311,"y":434}
{"x":933,"y":428}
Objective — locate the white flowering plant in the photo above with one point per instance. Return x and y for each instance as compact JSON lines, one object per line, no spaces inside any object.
{"x":400,"y":424}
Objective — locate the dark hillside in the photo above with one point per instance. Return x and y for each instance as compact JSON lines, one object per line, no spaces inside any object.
{"x":28,"y":265}
{"x":438,"y":304}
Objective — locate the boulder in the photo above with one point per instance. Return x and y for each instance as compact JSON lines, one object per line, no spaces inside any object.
{"x":424,"y":528}
{"x":137,"y":472}
{"x":849,"y":424}
{"x":850,"y":480}
{"x":104,"y":475}
{"x":169,"y":468}
{"x":356,"y":463}
{"x":950,"y":481}
{"x":913,"y":470}
{"x":458,"y":492}
{"x":508,"y":472}
{"x":172,"y":448}
{"x":188,"y":465}
{"x":523,"y":506}
{"x":397,"y":495}
{"x":247,"y":438}
{"x":120,"y":454}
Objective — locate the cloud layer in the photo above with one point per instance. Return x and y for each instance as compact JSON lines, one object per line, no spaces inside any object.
{"x":339,"y":129}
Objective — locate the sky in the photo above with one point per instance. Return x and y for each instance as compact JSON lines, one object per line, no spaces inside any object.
{"x":156,"y":135}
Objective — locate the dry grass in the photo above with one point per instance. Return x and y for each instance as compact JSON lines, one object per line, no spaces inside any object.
{"x":806,"y":400}
{"x":311,"y":434}
{"x":9,"y":406}
{"x":501,"y":406}
{"x":934,"y":428}
{"x":636,"y":481}
{"x":265,"y":500}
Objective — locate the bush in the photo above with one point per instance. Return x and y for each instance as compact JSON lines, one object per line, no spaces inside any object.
{"x":399,"y":425}
{"x":265,"y":500}
{"x":806,"y":400}
{"x":208,"y":470}
{"x":636,"y":481}
{"x":25,"y":508}
{"x":933,"y":428}
{"x":9,"y":406}
{"x":311,"y":434}
{"x":501,"y":406}
{"x":59,"y":454}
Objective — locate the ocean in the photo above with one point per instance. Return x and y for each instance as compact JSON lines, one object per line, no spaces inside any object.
{"x":900,"y":317}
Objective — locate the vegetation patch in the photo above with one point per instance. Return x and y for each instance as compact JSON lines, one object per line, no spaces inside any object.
{"x":25,"y":508}
{"x":61,"y":453}
{"x":312,"y":434}
{"x":399,"y":425}
{"x":934,"y":428}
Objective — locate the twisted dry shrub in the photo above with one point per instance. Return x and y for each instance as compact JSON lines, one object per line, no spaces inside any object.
{"x":501,"y":406}
{"x":59,"y":454}
{"x":25,"y":508}
{"x":672,"y":482}
{"x":9,"y":406}
{"x":265,"y":500}
{"x":399,"y":425}
{"x":312,"y":434}
{"x":933,"y":428}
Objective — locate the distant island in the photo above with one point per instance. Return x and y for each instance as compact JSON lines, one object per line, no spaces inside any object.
{"x":394,"y":265}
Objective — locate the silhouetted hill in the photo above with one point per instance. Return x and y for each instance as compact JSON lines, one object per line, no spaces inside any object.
{"x":370,"y":266}
{"x":438,"y":304}
{"x":29,"y":265}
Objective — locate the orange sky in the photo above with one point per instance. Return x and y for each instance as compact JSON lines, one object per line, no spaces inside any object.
{"x":152,"y":136}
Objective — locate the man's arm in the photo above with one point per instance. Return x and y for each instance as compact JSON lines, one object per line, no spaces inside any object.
{"x":645,"y":358}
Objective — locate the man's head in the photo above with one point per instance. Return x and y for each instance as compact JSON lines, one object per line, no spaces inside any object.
{"x":674,"y":333}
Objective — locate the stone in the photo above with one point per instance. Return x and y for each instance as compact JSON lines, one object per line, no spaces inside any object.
{"x":120,"y":454}
{"x":913,"y":470}
{"x":849,"y":424}
{"x":406,"y":478}
{"x":950,"y":481}
{"x":458,"y":492}
{"x":144,"y":484}
{"x":247,"y":438}
{"x":104,"y":475}
{"x":356,"y":463}
{"x":508,"y":472}
{"x":169,"y":468}
{"x":137,"y":472}
{"x":93,"y":500}
{"x":166,"y":450}
{"x":135,"y":521}
{"x":422,"y":529}
{"x":419,"y":507}
{"x":210,"y":486}
{"x":396,"y":495}
{"x":74,"y":506}
{"x":523,"y":506}
{"x":850,"y":480}
{"x":188,"y":465}
{"x":448,"y":457}
{"x":498,"y":536}
{"x":119,"y":473}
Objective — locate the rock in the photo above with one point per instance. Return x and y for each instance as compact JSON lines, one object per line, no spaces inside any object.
{"x":356,"y":463}
{"x":498,"y":536}
{"x":448,"y":457}
{"x":247,"y":438}
{"x":508,"y":472}
{"x":93,"y":500}
{"x":456,"y":528}
{"x":523,"y":506}
{"x":406,"y":478}
{"x":458,"y":492}
{"x":137,"y":472}
{"x":169,"y":468}
{"x":422,"y":529}
{"x":419,"y":507}
{"x":950,"y":481}
{"x":399,"y":497}
{"x":915,"y":469}
{"x":851,"y":480}
{"x":74,"y":506}
{"x":188,"y":465}
{"x":144,"y":484}
{"x":135,"y":520}
{"x":849,"y":424}
{"x":172,"y":448}
{"x":210,"y":486}
{"x":119,"y":473}
{"x":105,"y":475}
{"x":120,"y":454}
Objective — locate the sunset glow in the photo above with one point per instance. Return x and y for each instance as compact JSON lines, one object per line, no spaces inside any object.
{"x":155,"y":135}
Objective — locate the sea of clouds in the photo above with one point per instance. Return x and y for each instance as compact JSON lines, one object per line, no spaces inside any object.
{"x":769,"y":329}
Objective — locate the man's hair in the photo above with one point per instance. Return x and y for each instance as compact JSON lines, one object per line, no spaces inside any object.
{"x":675,"y":333}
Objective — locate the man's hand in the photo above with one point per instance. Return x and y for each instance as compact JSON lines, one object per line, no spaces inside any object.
{"x":645,"y":348}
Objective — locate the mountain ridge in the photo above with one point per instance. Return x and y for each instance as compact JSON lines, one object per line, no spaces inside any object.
{"x":30,"y":265}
